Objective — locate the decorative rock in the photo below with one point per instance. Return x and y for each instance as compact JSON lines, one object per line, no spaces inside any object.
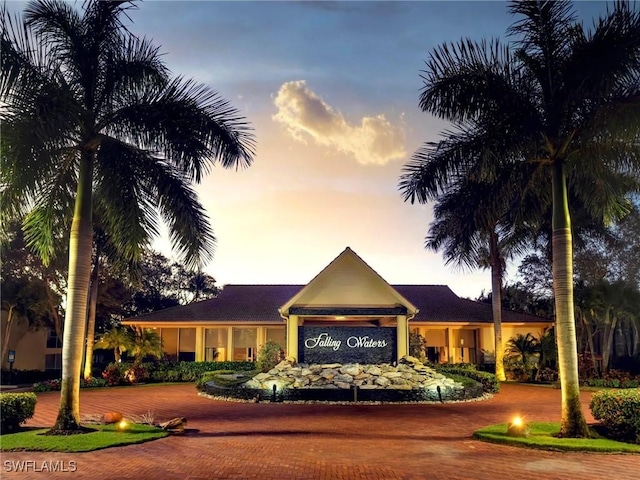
{"x":331,"y":365}
{"x":343,"y":385}
{"x":352,"y":370}
{"x":383,"y":381}
{"x":343,"y":378}
{"x":373,"y":370}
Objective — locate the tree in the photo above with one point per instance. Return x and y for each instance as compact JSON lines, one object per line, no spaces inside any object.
{"x":523,"y":348}
{"x":91,"y":112}
{"x":475,"y":218}
{"x":119,"y":339}
{"x":565,"y":101}
{"x":146,"y":343}
{"x":22,"y":299}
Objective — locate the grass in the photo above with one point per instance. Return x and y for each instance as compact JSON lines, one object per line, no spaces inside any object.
{"x":543,"y":436}
{"x":104,"y":436}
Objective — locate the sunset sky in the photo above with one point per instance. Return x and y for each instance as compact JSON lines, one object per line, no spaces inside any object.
{"x":331,"y":90}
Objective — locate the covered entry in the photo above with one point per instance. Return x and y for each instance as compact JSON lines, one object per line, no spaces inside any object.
{"x":349,"y":294}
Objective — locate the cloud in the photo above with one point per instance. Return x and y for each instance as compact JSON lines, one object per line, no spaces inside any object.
{"x":375,"y":141}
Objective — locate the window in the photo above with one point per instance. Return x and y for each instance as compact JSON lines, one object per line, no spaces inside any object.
{"x":52,"y":339}
{"x":277,"y":335}
{"x":244,"y":344}
{"x":53,"y":361}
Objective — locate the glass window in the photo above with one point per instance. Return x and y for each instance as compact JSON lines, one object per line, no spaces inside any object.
{"x":277,"y":335}
{"x":244,"y":344}
{"x":215,"y":347}
{"x":52,"y":339}
{"x":53,"y":361}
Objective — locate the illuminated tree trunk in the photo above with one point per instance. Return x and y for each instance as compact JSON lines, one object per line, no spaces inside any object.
{"x":496,"y":304}
{"x":80,"y":249}
{"x":573,"y":423}
{"x":91,"y":317}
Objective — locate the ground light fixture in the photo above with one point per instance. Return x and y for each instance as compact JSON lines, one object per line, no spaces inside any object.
{"x":123,"y":425}
{"x":518,"y":428}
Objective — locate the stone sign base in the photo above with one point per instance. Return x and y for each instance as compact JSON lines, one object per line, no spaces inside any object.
{"x":409,"y":374}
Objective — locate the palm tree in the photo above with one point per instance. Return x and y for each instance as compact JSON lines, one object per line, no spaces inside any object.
{"x":566,"y":101}
{"x":146,"y":343}
{"x":474,"y":221}
{"x":522,"y":348}
{"x":91,"y":112}
{"x":119,"y":339}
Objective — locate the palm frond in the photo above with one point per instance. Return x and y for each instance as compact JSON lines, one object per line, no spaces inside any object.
{"x":188,"y":123}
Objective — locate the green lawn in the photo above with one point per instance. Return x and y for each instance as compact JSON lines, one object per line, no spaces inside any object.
{"x":105,"y":436}
{"x":543,"y":437}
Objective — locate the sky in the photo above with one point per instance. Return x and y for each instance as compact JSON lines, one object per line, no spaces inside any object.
{"x":331,"y":90}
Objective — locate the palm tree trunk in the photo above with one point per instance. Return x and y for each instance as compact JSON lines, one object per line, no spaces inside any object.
{"x":592,"y":350}
{"x":91,"y":317}
{"x":7,"y":334}
{"x":496,"y":304}
{"x":610,"y":329}
{"x":80,"y":246}
{"x":573,"y":423}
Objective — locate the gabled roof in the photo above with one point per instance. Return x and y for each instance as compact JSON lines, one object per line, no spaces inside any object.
{"x":259,"y":304}
{"x":438,"y":303}
{"x":348,"y":280}
{"x":235,"y":303}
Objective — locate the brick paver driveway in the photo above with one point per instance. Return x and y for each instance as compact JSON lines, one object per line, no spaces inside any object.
{"x":264,"y":441}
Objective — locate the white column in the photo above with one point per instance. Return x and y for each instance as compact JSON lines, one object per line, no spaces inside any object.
{"x":450,"y":346}
{"x":403,"y":335}
{"x":199,"y":344}
{"x":229,"y":344}
{"x":292,"y":336}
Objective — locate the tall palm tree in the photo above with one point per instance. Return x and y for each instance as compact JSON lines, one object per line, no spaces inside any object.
{"x":91,"y":112}
{"x":567,"y":100}
{"x":475,"y":220}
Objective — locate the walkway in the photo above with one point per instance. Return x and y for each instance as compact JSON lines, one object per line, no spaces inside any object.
{"x":297,"y":442}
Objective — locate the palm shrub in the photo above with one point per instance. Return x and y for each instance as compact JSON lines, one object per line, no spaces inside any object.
{"x":522,"y":349}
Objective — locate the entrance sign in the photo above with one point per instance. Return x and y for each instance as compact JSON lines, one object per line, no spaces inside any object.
{"x":347,"y":344}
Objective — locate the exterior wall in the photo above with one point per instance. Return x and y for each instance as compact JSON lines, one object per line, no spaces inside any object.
{"x":347,"y":282}
{"x":31,"y":350}
{"x":30,"y":345}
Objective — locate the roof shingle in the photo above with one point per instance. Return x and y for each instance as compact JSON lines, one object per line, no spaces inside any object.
{"x":260,"y":303}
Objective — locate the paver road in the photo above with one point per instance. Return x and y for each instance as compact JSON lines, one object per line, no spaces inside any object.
{"x":229,"y":440}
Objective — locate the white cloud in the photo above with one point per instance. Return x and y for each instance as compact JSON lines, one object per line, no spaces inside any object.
{"x":375,"y":141}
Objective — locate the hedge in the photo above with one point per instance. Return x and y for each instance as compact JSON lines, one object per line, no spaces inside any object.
{"x":619,"y":412}
{"x":16,"y":408}
{"x":488,"y":380}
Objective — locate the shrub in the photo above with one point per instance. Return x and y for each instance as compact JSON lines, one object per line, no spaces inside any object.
{"x":488,"y":380}
{"x":16,"y":408}
{"x":54,"y":385}
{"x":169,"y":371}
{"x":619,"y":412}
{"x":47,"y":386}
{"x":269,"y":355}
{"x":135,"y":374}
{"x":113,"y":374}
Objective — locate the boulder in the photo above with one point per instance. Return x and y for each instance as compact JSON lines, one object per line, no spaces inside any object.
{"x":111,"y":417}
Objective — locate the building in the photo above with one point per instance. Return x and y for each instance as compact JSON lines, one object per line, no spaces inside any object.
{"x":346,"y":296}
